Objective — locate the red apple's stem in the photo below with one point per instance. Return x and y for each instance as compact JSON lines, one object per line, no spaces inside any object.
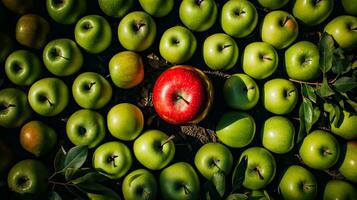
{"x":261,"y":177}
{"x":167,"y":140}
{"x":179,"y":97}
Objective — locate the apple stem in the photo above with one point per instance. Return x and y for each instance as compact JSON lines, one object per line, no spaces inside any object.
{"x":224,"y":46}
{"x":147,"y":194}
{"x":90,"y":85}
{"x":307,"y":187}
{"x":326,"y":152}
{"x":289,"y":93}
{"x":353,"y":28}
{"x":167,"y":140}
{"x":112,"y":159}
{"x":6,"y":106}
{"x":285,"y":21}
{"x":185,"y":188}
{"x":239,"y":12}
{"x":265,"y":57}
{"x":199,"y":2}
{"x":261,"y":177}
{"x":139,"y":25}
{"x":215,"y":161}
{"x":317,"y":1}
{"x":179,"y":97}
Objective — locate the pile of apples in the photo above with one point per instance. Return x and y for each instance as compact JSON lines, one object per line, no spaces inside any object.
{"x":260,"y":75}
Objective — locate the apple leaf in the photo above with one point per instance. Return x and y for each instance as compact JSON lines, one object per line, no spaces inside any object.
{"x":326,"y":49}
{"x":209,"y":191}
{"x":54,"y":196}
{"x":266,"y":195}
{"x":239,"y":174}
{"x":90,"y":177}
{"x":338,"y":119}
{"x":345,"y":84}
{"x":58,"y":162}
{"x":341,"y":64}
{"x":219,"y":181}
{"x":308,"y":92}
{"x":324,"y":89}
{"x":75,"y":157}
{"x":308,"y":114}
{"x":237,"y":196}
{"x":302,"y":131}
{"x":316,"y":114}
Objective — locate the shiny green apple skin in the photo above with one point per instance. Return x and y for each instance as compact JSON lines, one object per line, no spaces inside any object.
{"x":140,"y":185}
{"x":157,"y":8}
{"x":6,"y":46}
{"x":339,"y":189}
{"x":348,"y":167}
{"x":347,"y":129}
{"x":350,"y":7}
{"x":341,"y":30}
{"x":312,"y":12}
{"x":116,"y":8}
{"x":23,"y":67}
{"x":273,"y":4}
{"x":66,"y":12}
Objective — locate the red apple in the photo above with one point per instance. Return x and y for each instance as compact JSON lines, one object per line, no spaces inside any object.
{"x":182,"y":95}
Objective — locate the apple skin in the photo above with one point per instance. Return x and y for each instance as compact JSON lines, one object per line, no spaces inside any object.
{"x":66,"y":12}
{"x":154,"y":149}
{"x":319,"y":150}
{"x":261,"y":168}
{"x":260,"y":60}
{"x":86,"y":127}
{"x":241,"y":92}
{"x":182,"y":95}
{"x":348,"y":167}
{"x":236,"y":129}
{"x":350,"y":7}
{"x":273,"y":4}
{"x":116,"y":8}
{"x":14,"y":108}
{"x":125,"y":121}
{"x":91,"y":90}
{"x":212,"y":158}
{"x":137,"y":31}
{"x":23,"y":67}
{"x":112,"y":159}
{"x":338,"y":189}
{"x":139,"y":185}
{"x":157,"y":8}
{"x":32,"y":31}
{"x":341,"y":30}
{"x":199,"y":15}
{"x":239,"y":18}
{"x":6,"y":45}
{"x":48,"y":96}
{"x":179,"y":181}
{"x":312,"y":12}
{"x":302,"y":61}
{"x":278,"y":134}
{"x":279,"y":96}
{"x":19,"y":6}
{"x":126,"y":69}
{"x":220,"y":52}
{"x":38,"y":138}
{"x":346,"y":129}
{"x":177,"y":45}
{"x":7,"y":158}
{"x":29,"y":179}
{"x":279,"y":29}
{"x":93,"y":33}
{"x":298,"y":183}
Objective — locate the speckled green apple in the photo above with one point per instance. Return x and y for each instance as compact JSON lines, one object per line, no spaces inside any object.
{"x":116,"y":8}
{"x":140,"y":185}
{"x":157,"y":8}
{"x":343,"y":30}
{"x":66,"y":11}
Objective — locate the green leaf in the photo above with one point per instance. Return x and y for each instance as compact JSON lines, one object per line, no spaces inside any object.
{"x":338,"y":119}
{"x":75,"y":157}
{"x":308,"y":92}
{"x":316,"y":115}
{"x":341,"y":65}
{"x":324,"y":89}
{"x":209,"y":191}
{"x":302,"y":132}
{"x":90,"y":177}
{"x":308,"y":114}
{"x":266,"y":195}
{"x":345,"y":84}
{"x":54,"y":196}
{"x":219,"y":181}
{"x":239,"y":174}
{"x":237,"y":196}
{"x":326,"y":49}
{"x":58,"y":162}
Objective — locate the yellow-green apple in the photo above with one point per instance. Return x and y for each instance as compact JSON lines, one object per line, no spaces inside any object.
{"x":279,"y":28}
{"x":66,"y":11}
{"x":116,"y":8}
{"x":48,"y":96}
{"x":350,"y":7}
{"x":154,"y":149}
{"x":236,"y":129}
{"x":125,"y":121}
{"x":312,"y":12}
{"x":38,"y":138}
{"x":93,"y":33}
{"x":198,"y":15}
{"x":179,"y":181}
{"x":112,"y":159}
{"x":86,"y":127}
{"x":7,"y":158}
{"x":273,"y":4}
{"x":344,"y":30}
{"x":177,"y":45}
{"x":256,"y":195}
{"x":241,"y":92}
{"x":157,"y":8}
{"x":348,"y":167}
{"x":126,"y":69}
{"x":6,"y":46}
{"x":137,"y":31}
{"x":91,"y":90}
{"x":23,"y":67}
{"x":182,"y":95}
{"x":19,"y":6}
{"x":220,"y":52}
{"x":239,"y":18}
{"x":319,"y":150}
{"x":339,"y":189}
{"x":279,"y":96}
{"x":139,"y":185}
{"x":260,"y":60}
{"x":347,"y":128}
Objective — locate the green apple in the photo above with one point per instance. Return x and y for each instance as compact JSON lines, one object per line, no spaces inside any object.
{"x":177,"y":45}
{"x":65,"y":11}
{"x":273,"y":4}
{"x":125,"y":121}
{"x":23,"y":67}
{"x":116,"y":8}
{"x":198,"y":15}
{"x":29,"y":179}
{"x":346,"y":130}
{"x":319,"y":150}
{"x":126,"y":69}
{"x":86,"y":127}
{"x":6,"y":46}
{"x":261,"y":168}
{"x":343,"y":30}
{"x":220,"y":52}
{"x":236,"y":129}
{"x":212,"y":158}
{"x":241,"y":92}
{"x":157,"y":8}
{"x":280,"y":96}
{"x":338,"y":189}
{"x":154,"y":149}
{"x":38,"y":138}
{"x":112,"y":159}
{"x":14,"y":108}
{"x":32,"y":31}
{"x":302,"y":61}
{"x":104,"y":193}
{"x":350,"y":7}
{"x":7,"y":158}
{"x":279,"y":29}
{"x":179,"y":181}
{"x":91,"y":90}
{"x":348,"y":167}
{"x":256,"y":195}
{"x":298,"y":183}
{"x":278,"y":134}
{"x":312,"y":12}
{"x":239,"y":18}
{"x":48,"y":97}
{"x":139,"y":185}
{"x":137,"y":31}
{"x":93,"y":33}
{"x":19,"y":6}
{"x":260,"y":60}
